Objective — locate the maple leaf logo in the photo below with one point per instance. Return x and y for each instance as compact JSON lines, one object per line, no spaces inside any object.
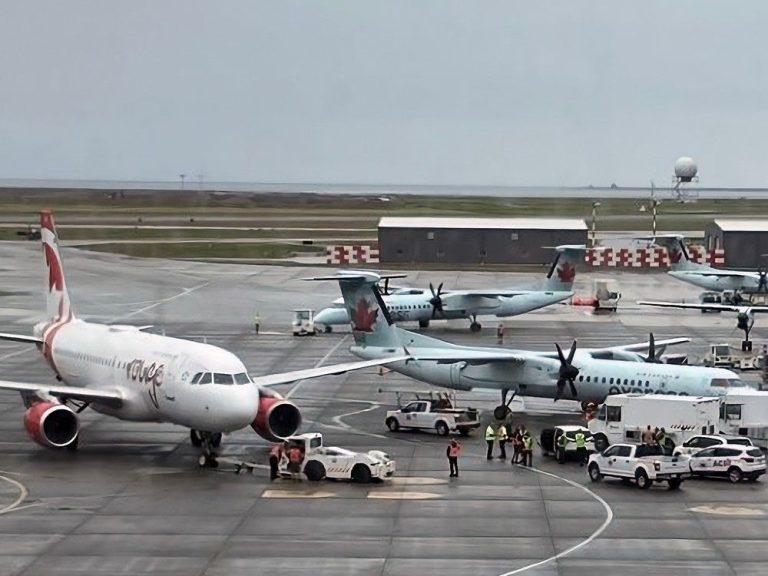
{"x":55,"y":275}
{"x":675,"y":255}
{"x":566,"y":273}
{"x":364,"y":318}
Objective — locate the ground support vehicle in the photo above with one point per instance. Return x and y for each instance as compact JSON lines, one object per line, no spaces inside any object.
{"x":550,"y":441}
{"x":303,"y":323}
{"x":607,"y":296}
{"x":319,"y":462}
{"x":623,"y":417}
{"x":438,"y":415}
{"x":745,"y":412}
{"x":733,"y":461}
{"x":724,"y":356}
{"x":643,"y":464}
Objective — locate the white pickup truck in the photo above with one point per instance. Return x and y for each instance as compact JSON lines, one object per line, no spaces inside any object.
{"x":643,"y":464}
{"x":437,"y":414}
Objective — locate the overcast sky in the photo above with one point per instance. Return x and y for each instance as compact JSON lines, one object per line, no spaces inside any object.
{"x":391,"y":92}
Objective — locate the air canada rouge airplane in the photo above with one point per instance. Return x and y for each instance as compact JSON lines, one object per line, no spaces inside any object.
{"x":130,"y":374}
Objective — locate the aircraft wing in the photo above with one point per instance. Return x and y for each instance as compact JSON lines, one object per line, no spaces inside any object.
{"x":110,"y":397}
{"x":721,"y":273}
{"x":640,"y":346}
{"x":483,"y":293}
{"x":20,"y":338}
{"x":287,"y":377}
{"x":452,"y":356}
{"x":724,"y":307}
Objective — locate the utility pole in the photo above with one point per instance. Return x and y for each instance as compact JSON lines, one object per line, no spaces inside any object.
{"x":594,"y":222}
{"x":654,"y":204}
{"x":182,"y":176}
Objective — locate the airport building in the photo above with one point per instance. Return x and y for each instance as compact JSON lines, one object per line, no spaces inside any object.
{"x":744,"y":241}
{"x":476,"y":240}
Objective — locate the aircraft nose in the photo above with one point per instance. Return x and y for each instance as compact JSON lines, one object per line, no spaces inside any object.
{"x":240,"y":404}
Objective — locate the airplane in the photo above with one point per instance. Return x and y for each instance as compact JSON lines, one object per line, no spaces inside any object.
{"x":415,"y":304}
{"x":745,"y":314}
{"x":707,"y":277}
{"x":125,"y":372}
{"x":585,"y":375}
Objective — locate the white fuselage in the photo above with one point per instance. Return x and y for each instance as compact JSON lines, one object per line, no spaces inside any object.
{"x":538,"y":375}
{"x":416,"y":306}
{"x":747,"y":283}
{"x":154,"y":375}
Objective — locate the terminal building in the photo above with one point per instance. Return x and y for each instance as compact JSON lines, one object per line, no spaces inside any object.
{"x":744,"y":241}
{"x":476,"y":240}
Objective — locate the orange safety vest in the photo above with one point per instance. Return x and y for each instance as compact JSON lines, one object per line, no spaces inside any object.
{"x":454,"y":450}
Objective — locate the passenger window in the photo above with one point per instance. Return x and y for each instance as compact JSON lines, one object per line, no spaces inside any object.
{"x":205,"y":378}
{"x":196,"y":378}
{"x":603,"y":379}
{"x":611,"y":381}
{"x":612,"y":451}
{"x":726,"y":452}
{"x":706,"y":453}
{"x":222,"y":378}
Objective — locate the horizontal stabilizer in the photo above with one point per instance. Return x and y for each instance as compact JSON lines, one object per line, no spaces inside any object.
{"x":21,"y":338}
{"x":288,"y":377}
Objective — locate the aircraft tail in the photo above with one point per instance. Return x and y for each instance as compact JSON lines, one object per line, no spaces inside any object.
{"x":368,"y":315}
{"x":679,"y":259}
{"x":58,"y":303}
{"x":562,"y":273}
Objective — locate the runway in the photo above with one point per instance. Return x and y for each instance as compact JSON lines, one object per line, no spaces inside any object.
{"x":132,"y":500}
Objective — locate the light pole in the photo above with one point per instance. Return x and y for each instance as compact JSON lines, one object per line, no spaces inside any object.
{"x":654,"y":205}
{"x":594,"y":222}
{"x":182,"y":176}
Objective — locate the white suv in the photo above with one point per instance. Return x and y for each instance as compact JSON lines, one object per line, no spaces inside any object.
{"x":695,"y":444}
{"x":732,"y":461}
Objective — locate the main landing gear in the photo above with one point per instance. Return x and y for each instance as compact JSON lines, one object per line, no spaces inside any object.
{"x":207,"y":441}
{"x":501,"y":411}
{"x":475,"y":326}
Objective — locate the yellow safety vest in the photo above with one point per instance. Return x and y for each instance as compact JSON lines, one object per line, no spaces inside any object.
{"x":581,"y":441}
{"x":502,"y":433}
{"x":528,"y":442}
{"x":489,"y":433}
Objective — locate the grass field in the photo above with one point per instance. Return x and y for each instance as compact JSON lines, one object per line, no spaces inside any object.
{"x":205,"y":250}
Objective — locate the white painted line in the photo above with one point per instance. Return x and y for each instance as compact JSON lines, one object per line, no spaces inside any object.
{"x":23,"y":493}
{"x":184,"y":292}
{"x":595,"y":534}
{"x":298,"y":384}
{"x":390,"y":495}
{"x":337,"y":419}
{"x":27,"y":348}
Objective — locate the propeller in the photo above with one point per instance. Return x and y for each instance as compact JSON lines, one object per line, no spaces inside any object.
{"x":762,"y":283}
{"x":385,"y":288}
{"x":436,"y":301}
{"x":652,"y":358}
{"x":568,"y":372}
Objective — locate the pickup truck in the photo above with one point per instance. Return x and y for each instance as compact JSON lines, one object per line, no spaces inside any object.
{"x":643,"y":464}
{"x":438,"y":415}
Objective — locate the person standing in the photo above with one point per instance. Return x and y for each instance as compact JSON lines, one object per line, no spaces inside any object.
{"x":275,"y":454}
{"x":490,"y":437}
{"x":256,"y":322}
{"x":581,"y":447}
{"x":562,"y":445}
{"x":648,"y":438}
{"x":517,"y":445}
{"x":527,"y":449}
{"x":453,"y":452}
{"x":501,"y":436}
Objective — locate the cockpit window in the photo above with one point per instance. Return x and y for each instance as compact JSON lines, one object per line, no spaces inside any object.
{"x":205,"y":378}
{"x":726,"y":383}
{"x":196,"y":378}
{"x":242,"y":378}
{"x":222,"y":378}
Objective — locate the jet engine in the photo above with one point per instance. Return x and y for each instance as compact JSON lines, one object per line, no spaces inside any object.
{"x":276,"y":418}
{"x":51,"y":424}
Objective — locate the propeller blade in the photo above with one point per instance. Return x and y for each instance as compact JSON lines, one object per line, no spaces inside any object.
{"x":440,"y":289}
{"x":559,"y":389}
{"x":432,"y":289}
{"x":573,"y":388}
{"x":651,"y":349}
{"x":572,"y":352}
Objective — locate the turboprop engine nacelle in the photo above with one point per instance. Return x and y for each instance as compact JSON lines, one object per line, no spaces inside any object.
{"x":277,"y":418}
{"x":51,"y":424}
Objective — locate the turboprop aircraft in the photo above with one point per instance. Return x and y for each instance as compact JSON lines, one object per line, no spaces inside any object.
{"x":703,"y":276}
{"x":586,"y":375}
{"x":125,"y":372}
{"x":745,"y":314}
{"x":419,"y":305}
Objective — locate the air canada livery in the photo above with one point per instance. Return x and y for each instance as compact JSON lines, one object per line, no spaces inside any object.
{"x":587,"y":375}
{"x":130,"y":374}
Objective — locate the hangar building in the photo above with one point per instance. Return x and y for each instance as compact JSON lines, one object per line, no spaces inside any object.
{"x":476,"y":240}
{"x":744,"y":241}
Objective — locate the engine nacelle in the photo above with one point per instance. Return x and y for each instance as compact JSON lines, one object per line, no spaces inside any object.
{"x":51,"y":424}
{"x":277,"y":418}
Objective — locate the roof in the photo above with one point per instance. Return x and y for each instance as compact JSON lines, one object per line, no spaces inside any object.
{"x":484,"y":223}
{"x":743,"y":225}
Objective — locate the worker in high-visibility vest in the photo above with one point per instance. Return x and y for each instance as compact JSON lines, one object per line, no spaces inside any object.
{"x":581,"y":447}
{"x":490,"y":438}
{"x":527,"y":449}
{"x":562,"y":445}
{"x":453,"y":452}
{"x":501,"y":436}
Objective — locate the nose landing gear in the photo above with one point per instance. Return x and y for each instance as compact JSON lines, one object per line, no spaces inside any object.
{"x":208,"y":441}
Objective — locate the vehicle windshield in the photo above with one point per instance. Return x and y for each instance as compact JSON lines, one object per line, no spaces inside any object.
{"x":302,"y":315}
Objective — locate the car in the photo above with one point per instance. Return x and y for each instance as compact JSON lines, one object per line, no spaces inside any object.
{"x":695,"y":444}
{"x":733,"y":461}
{"x":550,"y":437}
